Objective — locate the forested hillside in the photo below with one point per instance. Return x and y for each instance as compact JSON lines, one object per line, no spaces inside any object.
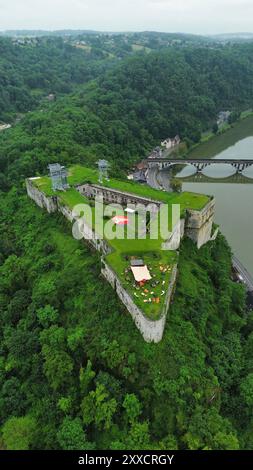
{"x":74,"y":371}
{"x":29,"y":72}
{"x":174,"y":91}
{"x":129,"y":109}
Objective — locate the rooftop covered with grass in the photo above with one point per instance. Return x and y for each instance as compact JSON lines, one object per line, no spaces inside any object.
{"x":78,"y":175}
{"x":150,"y":297}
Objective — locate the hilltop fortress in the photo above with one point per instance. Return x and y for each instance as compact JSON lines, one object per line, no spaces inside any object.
{"x":148,"y":299}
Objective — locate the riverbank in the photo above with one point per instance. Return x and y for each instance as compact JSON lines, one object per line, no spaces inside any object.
{"x":234,"y":212}
{"x":218,"y":143}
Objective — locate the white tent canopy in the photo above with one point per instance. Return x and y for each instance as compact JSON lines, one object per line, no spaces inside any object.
{"x":129,"y":210}
{"x":141,"y":273}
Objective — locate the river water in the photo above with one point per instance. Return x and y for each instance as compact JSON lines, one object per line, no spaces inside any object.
{"x":234,"y":201}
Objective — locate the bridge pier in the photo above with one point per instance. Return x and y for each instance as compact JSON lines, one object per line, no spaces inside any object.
{"x":198,"y":168}
{"x":240,"y":166}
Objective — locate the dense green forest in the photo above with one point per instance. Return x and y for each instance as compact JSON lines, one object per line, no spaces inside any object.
{"x":74,"y":370}
{"x":31,"y":71}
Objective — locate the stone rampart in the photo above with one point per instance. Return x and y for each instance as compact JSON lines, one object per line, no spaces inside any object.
{"x":151,"y":330}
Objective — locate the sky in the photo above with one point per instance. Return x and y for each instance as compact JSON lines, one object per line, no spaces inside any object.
{"x":191,"y":16}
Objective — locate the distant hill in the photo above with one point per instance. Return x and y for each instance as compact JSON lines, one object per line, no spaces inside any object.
{"x":80,"y":32}
{"x":240,"y":36}
{"x":233,"y":37}
{"x":41,"y":32}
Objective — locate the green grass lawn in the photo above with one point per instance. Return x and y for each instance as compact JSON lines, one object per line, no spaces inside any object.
{"x":150,"y":251}
{"x":71,"y":198}
{"x":76,"y":175}
{"x":79,"y":174}
{"x":44,"y":184}
{"x":156,"y":287}
{"x":192,"y":200}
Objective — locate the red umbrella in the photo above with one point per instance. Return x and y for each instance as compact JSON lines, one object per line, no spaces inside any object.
{"x":120,"y":220}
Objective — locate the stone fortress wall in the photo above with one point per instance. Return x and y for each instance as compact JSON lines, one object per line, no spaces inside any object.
{"x":43,"y":201}
{"x":114,"y":196}
{"x":151,"y":330}
{"x":52,"y":204}
{"x":197,"y":225}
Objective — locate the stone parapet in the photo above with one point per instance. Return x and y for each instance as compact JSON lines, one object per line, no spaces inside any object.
{"x":199,"y":224}
{"x":114,"y":196}
{"x":49,"y":203}
{"x":151,"y":330}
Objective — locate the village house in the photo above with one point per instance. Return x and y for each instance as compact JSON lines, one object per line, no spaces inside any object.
{"x":3,"y":127}
{"x":51,"y":97}
{"x":223,"y":117}
{"x":140,"y":175}
{"x":156,"y":153}
{"x":171,"y":143}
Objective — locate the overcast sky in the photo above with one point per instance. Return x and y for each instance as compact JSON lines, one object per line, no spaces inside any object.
{"x":193,"y":16}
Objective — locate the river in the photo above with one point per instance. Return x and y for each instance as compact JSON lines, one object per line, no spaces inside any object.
{"x":234,"y":201}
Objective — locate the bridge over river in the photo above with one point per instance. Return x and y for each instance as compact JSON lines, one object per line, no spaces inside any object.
{"x":199,"y":164}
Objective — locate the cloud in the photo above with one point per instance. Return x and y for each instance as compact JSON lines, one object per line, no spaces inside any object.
{"x":195,"y":16}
